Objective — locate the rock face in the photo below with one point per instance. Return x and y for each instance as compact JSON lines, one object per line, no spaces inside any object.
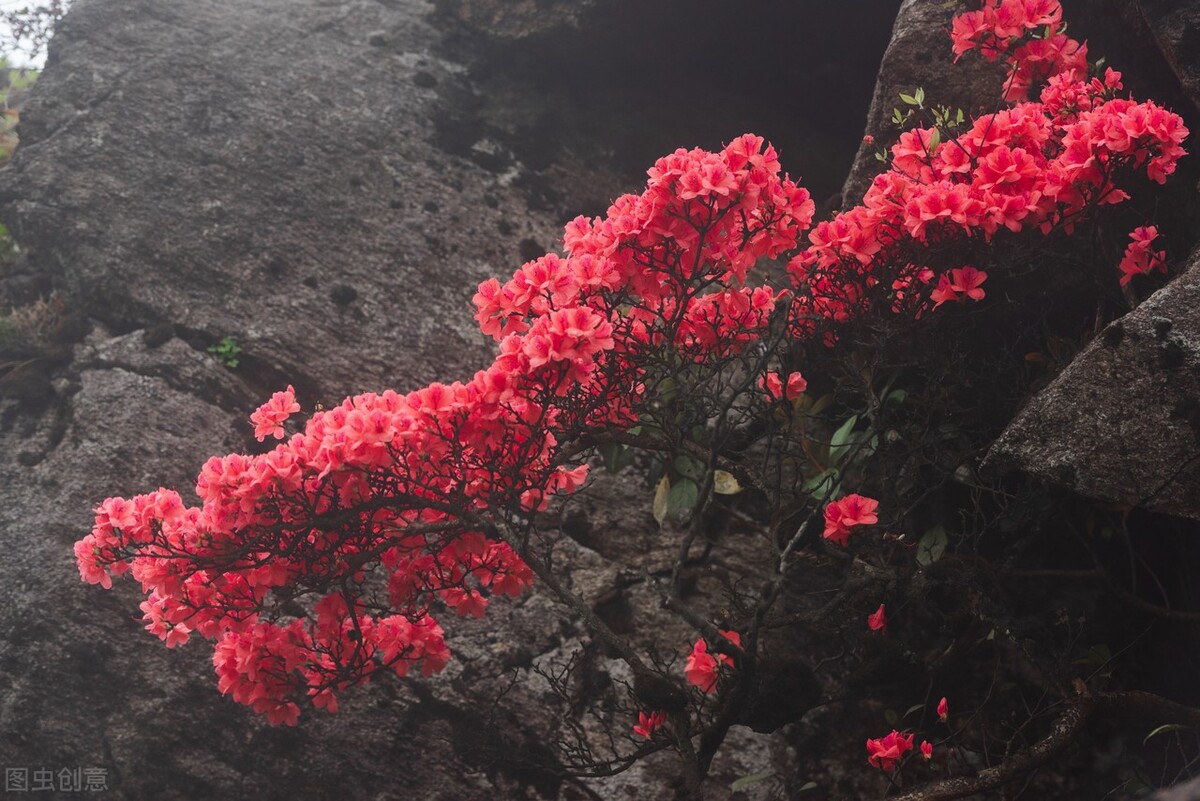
{"x":919,"y":55}
{"x":1122,"y":421}
{"x":1152,"y":41}
{"x":265,"y":171}
{"x":324,"y":184}
{"x":1176,"y":26}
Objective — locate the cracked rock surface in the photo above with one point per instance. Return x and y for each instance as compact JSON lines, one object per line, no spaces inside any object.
{"x":1122,"y":422}
{"x":325,"y":183}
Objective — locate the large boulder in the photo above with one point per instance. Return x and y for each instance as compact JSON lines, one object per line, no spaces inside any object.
{"x":1122,"y":422}
{"x":324,"y":184}
{"x":918,"y":56}
{"x":1176,"y":26}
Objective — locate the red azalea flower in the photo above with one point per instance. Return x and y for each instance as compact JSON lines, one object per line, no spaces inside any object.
{"x":885,"y":753}
{"x":878,"y":621}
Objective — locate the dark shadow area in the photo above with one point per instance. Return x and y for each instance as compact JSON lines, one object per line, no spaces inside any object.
{"x":640,"y":80}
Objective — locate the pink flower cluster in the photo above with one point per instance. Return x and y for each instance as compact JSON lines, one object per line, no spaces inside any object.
{"x":702,"y":668}
{"x":276,"y":563}
{"x":1029,"y":33}
{"x":776,"y":388}
{"x":670,"y":264}
{"x":1042,"y":165}
{"x":886,"y":753}
{"x":268,"y":420}
{"x":283,"y":562}
{"x":846,"y":513}
{"x":1139,"y":258}
{"x":648,"y":722}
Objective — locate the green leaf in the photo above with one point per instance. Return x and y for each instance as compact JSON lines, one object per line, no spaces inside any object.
{"x":931,"y":546}
{"x":1165,"y":729}
{"x":807,"y":786}
{"x":821,"y":404}
{"x":896,"y":118}
{"x":895,"y":397}
{"x":919,"y":95}
{"x":688,"y":467}
{"x":891,"y":717}
{"x":909,"y":99}
{"x":842,"y":439}
{"x":724,"y":483}
{"x":823,"y":485}
{"x":935,"y":139}
{"x":1096,"y":657}
{"x":682,"y":497}
{"x":913,"y":708}
{"x":616,"y":456}
{"x":660,"y":499}
{"x":751,"y":780}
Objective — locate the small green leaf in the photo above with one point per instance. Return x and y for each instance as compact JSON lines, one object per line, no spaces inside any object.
{"x":682,"y":497}
{"x":660,"y":499}
{"x":807,"y":786}
{"x":724,"y":483}
{"x":688,"y":467}
{"x":931,"y":546}
{"x":1165,"y":729}
{"x":821,"y":404}
{"x":919,"y":95}
{"x":896,"y":118}
{"x":891,"y":717}
{"x":909,"y":99}
{"x":842,"y":439}
{"x":935,"y":139}
{"x":1096,"y":657}
{"x":751,"y":780}
{"x":616,"y":456}
{"x":824,"y":485}
{"x":913,"y":708}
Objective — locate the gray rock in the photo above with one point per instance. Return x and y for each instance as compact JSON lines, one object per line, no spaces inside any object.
{"x":919,"y":55}
{"x":514,"y":20}
{"x":1184,"y":791}
{"x":274,"y":172}
{"x":1122,"y":422}
{"x":1176,"y":27}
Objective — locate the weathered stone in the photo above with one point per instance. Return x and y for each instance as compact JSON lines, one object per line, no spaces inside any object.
{"x":519,"y":19}
{"x":919,"y":55}
{"x":1184,"y":791}
{"x":1176,"y":26}
{"x":180,"y":182}
{"x":1122,"y":422}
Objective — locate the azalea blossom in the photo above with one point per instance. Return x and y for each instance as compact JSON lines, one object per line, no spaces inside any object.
{"x":877,"y":620}
{"x":927,"y":749}
{"x":844,"y":514}
{"x":1139,"y":258}
{"x":647,"y":723}
{"x":702,"y":669}
{"x":969,"y":282}
{"x":943,"y":710}
{"x":885,"y":753}
{"x":268,"y":419}
{"x":775,"y":388}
